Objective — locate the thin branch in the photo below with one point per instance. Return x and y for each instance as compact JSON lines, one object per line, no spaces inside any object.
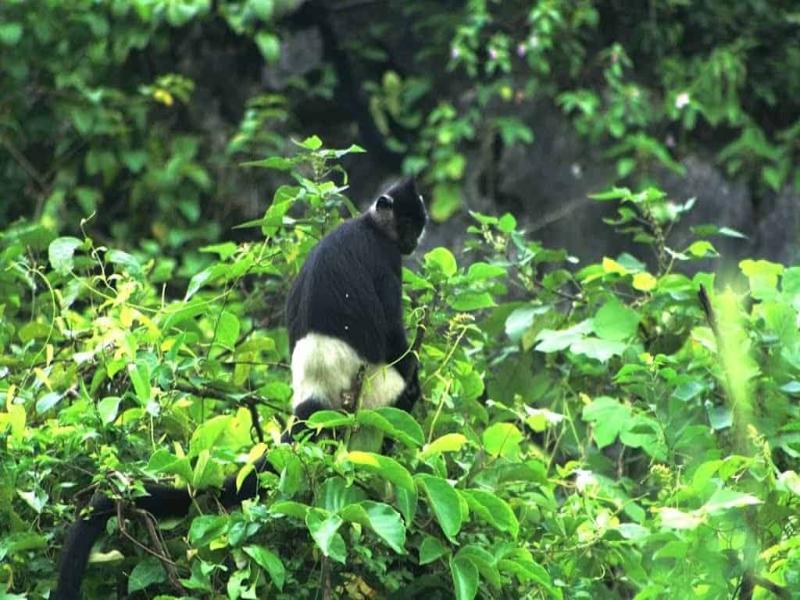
{"x":219,"y":395}
{"x":164,"y":558}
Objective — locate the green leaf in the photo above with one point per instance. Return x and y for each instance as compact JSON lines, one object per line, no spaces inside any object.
{"x":61,"y":252}
{"x":615,"y":321}
{"x":449,"y":442}
{"x":311,"y":143}
{"x":556,"y":341}
{"x":164,"y":462}
{"x":481,"y":271}
{"x":465,"y":578}
{"x":270,"y":47}
{"x":385,"y":521}
{"x":394,"y":422}
{"x":468,"y":300}
{"x":269,"y":561}
{"x":442,"y":260}
{"x":139,"y":374}
{"x":678,"y":519}
{"x":386,"y":467}
{"x":108,"y":409}
{"x":726,"y":499}
{"x":208,"y":434}
{"x":502,"y":439}
{"x":492,"y":509}
{"x":601,"y":350}
{"x":227,"y":329}
{"x":446,"y":201}
{"x":431,"y":549}
{"x":146,"y":573}
{"x":10,"y":33}
{"x":609,"y":417}
{"x":335,"y":493}
{"x":445,"y":502}
{"x":324,"y":529}
{"x":326,"y":419}
{"x":763,"y":276}
{"x":48,"y":401}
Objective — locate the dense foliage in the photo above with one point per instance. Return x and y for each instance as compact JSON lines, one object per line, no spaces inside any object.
{"x":612,"y":431}
{"x":149,"y":104}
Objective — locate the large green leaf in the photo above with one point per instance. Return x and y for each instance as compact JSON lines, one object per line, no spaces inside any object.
{"x":465,"y":578}
{"x":492,"y":509}
{"x":324,"y":528}
{"x":444,"y":501}
{"x":382,"y":519}
{"x":386,"y":467}
{"x":268,"y":561}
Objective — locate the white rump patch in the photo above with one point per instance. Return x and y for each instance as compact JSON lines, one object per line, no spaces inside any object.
{"x":325,"y":368}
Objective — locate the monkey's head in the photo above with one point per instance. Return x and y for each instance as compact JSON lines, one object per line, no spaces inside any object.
{"x":400,"y":213}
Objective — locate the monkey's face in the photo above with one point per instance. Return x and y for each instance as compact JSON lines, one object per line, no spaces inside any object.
{"x":409,"y":214}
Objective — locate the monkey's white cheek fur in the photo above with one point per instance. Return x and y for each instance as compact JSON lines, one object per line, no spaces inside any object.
{"x":324,"y":368}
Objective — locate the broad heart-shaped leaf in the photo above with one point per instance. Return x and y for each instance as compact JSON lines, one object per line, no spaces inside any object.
{"x":268,"y":561}
{"x":609,"y":417}
{"x":597,"y":349}
{"x":382,"y":519}
{"x":324,"y":528}
{"x":395,"y":423}
{"x":442,"y":260}
{"x":146,"y":573}
{"x":445,"y":502}
{"x":556,"y":341}
{"x":386,"y":467}
{"x":61,"y":252}
{"x":492,"y":509}
{"x":502,"y":439}
{"x":465,"y":578}
{"x":615,"y":321}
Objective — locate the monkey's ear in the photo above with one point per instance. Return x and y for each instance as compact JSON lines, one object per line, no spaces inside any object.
{"x":385,"y":202}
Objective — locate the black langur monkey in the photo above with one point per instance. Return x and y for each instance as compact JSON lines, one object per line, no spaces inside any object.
{"x":345,"y":322}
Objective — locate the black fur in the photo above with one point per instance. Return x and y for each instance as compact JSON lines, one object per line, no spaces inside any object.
{"x":350,"y":286}
{"x":351,"y":278}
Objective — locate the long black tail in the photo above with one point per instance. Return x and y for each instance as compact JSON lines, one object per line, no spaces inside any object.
{"x":162,"y":502}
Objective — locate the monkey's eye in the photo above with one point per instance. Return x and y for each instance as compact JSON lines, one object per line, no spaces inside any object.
{"x":384,"y":202}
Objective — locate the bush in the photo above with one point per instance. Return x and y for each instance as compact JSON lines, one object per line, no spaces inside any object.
{"x":613,"y":431}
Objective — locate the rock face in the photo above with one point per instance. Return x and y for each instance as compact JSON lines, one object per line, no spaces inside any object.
{"x":546,"y":185}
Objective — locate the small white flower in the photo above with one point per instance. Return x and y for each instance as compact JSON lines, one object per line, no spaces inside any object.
{"x":493,"y":53}
{"x":584,"y":479}
{"x":533,"y":41}
{"x":682,"y":100}
{"x":454,"y":53}
{"x":576,"y":170}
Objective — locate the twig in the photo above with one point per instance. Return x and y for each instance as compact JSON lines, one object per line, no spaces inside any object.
{"x":219,"y":395}
{"x":166,"y":561}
